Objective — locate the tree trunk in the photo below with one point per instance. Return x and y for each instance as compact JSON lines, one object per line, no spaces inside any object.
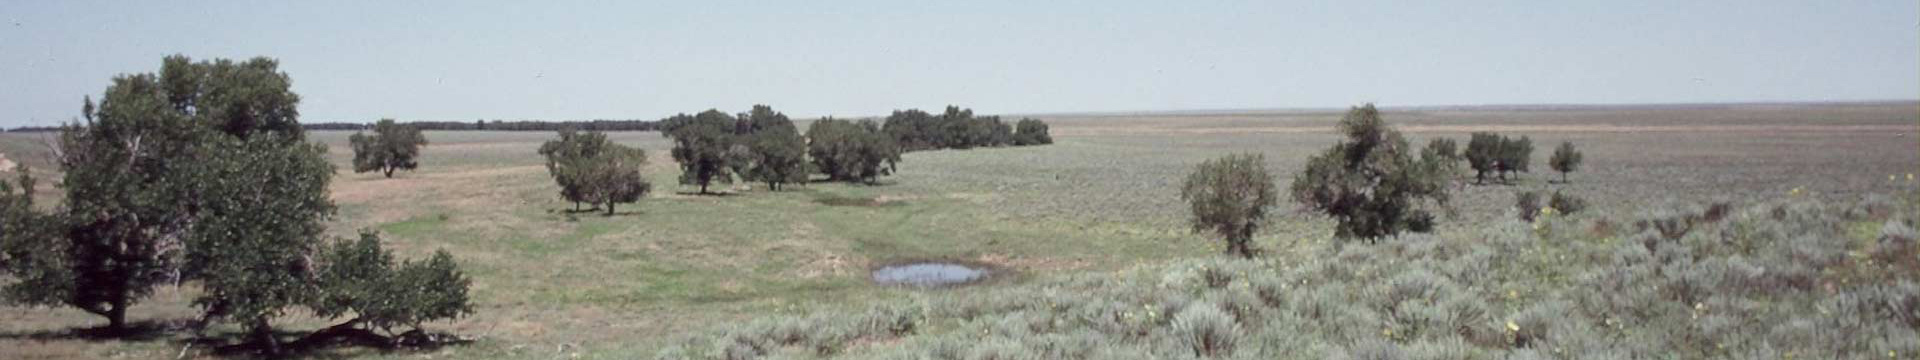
{"x":703,"y":187}
{"x":609,"y":208}
{"x":263,"y":332}
{"x":1242,"y":243}
{"x":389,"y":172}
{"x":117,"y":317}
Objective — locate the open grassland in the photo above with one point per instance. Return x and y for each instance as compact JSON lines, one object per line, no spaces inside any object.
{"x":1100,"y":204}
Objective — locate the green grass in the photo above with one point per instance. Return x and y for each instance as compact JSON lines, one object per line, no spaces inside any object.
{"x":1100,"y":202}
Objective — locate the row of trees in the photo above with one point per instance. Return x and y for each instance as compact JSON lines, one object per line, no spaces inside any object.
{"x":1488,"y":152}
{"x":503,"y":125}
{"x":1498,"y":154}
{"x":958,"y":128}
{"x":1370,"y":183}
{"x":763,"y":145}
{"x":200,"y":174}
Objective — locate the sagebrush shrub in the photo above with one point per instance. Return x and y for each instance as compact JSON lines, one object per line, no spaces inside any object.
{"x":1206,"y":330}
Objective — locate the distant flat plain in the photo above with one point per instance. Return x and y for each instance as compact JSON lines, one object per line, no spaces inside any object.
{"x":1102,"y":199}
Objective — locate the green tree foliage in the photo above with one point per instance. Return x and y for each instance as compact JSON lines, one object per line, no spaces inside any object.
{"x":590,"y":169}
{"x":701,"y":143}
{"x":775,"y":153}
{"x":31,"y":249}
{"x":196,"y":174}
{"x":569,"y":162}
{"x":1446,"y":153}
{"x":1515,"y":155}
{"x":237,"y":98}
{"x":361,"y":278}
{"x":1370,"y":183}
{"x":392,"y":146}
{"x":1493,"y":153}
{"x":1483,"y":152}
{"x":1229,"y":197}
{"x":1565,"y":159}
{"x":852,"y":151}
{"x":915,"y":130}
{"x":261,"y":219}
{"x":133,"y":174}
{"x":614,"y":177}
{"x":1031,"y":131}
{"x":958,"y":128}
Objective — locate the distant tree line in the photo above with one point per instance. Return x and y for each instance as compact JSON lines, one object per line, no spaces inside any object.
{"x":762,"y":145}
{"x":504,"y":125}
{"x":958,"y":128}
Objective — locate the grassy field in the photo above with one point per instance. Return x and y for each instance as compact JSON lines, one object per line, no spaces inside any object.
{"x":1100,"y":202}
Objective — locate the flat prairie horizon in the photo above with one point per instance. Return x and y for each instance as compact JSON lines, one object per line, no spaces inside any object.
{"x":1101,"y":203}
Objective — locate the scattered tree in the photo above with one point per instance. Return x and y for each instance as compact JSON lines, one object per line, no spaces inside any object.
{"x":1370,"y":183}
{"x":1565,"y":159}
{"x":1492,"y":153}
{"x":614,"y":177}
{"x":392,"y":146}
{"x":701,"y":144}
{"x":569,"y":162}
{"x":1031,"y":132}
{"x":361,"y":278}
{"x":1229,"y":197}
{"x":1515,"y":155}
{"x":590,"y":169}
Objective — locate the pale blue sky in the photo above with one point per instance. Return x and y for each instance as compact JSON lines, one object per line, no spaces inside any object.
{"x":359,"y":61}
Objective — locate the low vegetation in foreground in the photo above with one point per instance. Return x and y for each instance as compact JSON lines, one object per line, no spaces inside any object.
{"x":1790,"y":278}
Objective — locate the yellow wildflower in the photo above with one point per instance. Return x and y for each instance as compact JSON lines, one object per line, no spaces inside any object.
{"x":1511,"y":326}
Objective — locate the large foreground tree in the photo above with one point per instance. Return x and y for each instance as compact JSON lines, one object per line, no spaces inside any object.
{"x":197,"y":174}
{"x":393,"y":146}
{"x":1370,"y":183}
{"x":1229,"y":197}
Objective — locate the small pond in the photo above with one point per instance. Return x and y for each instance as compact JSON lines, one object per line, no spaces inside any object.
{"x":928,"y":274}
